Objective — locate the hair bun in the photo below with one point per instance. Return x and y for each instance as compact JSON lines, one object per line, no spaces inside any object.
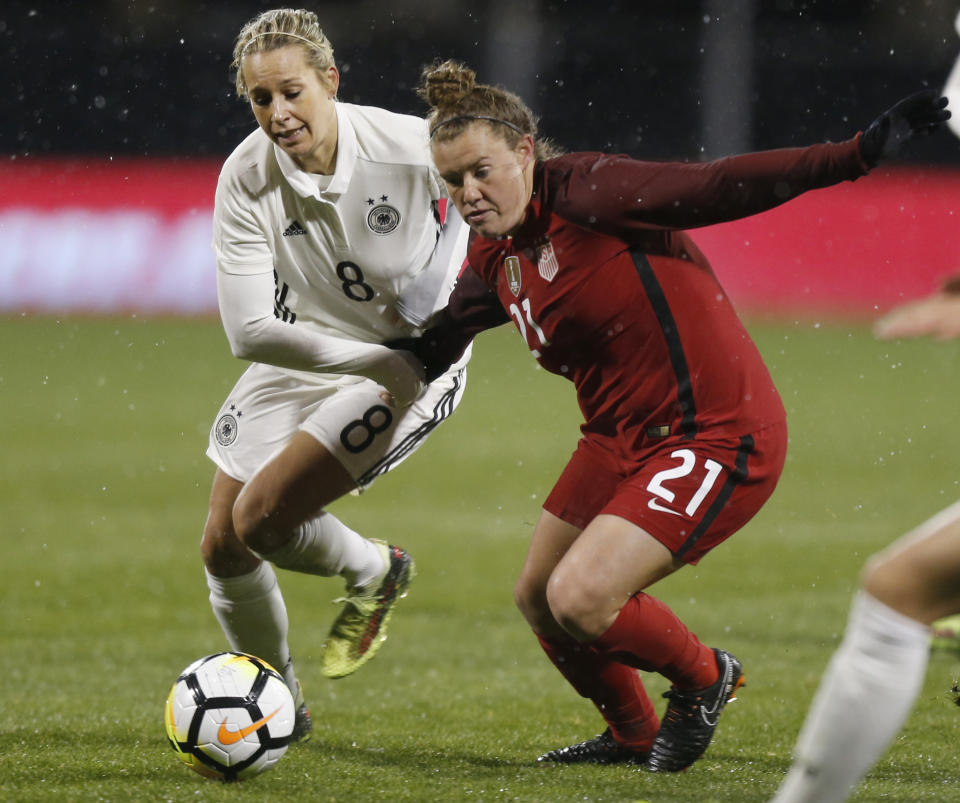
{"x":446,"y":83}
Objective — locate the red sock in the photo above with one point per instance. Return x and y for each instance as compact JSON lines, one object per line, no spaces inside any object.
{"x":614,"y":688}
{"x":647,"y":635}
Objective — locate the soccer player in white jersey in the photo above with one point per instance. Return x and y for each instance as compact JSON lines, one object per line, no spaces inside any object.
{"x":332,"y":236}
{"x":876,"y":674}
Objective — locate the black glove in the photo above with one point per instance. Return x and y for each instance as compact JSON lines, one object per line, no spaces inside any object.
{"x":438,"y":348}
{"x":915,"y":116}
{"x":426,"y":349}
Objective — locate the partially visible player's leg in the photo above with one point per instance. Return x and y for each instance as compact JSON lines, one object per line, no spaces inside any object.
{"x":918,"y":575}
{"x":244,"y":594}
{"x":287,"y":476}
{"x":586,"y":484}
{"x":342,"y":445}
{"x":368,"y":438}
{"x":864,"y":698}
{"x":681,"y":503}
{"x":279,"y":515}
{"x":614,"y":688}
{"x":595,"y":594}
{"x":552,"y":538}
{"x":323,"y":440}
{"x":883,"y":657}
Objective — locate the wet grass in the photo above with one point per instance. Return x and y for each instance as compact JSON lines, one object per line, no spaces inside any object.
{"x":103,"y":486}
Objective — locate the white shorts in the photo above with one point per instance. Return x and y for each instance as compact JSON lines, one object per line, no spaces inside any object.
{"x":344,"y":413}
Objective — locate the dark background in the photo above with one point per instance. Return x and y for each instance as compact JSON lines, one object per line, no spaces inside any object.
{"x":675,"y":79}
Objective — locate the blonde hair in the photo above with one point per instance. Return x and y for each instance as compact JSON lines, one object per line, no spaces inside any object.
{"x":458,"y":101}
{"x":278,"y":28}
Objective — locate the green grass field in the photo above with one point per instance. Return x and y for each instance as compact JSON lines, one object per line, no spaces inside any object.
{"x":103,"y":487}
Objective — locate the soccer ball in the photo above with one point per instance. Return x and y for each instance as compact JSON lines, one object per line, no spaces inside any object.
{"x":229,"y":716}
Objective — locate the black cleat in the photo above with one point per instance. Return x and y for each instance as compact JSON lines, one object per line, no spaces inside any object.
{"x":602,"y":749}
{"x":302,"y":724}
{"x":691,"y":718}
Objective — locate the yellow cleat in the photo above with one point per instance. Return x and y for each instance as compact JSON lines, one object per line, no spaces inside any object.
{"x":946,"y":633}
{"x":361,"y":627}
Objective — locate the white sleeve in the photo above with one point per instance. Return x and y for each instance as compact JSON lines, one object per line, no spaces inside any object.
{"x":255,"y":334}
{"x":952,"y":90}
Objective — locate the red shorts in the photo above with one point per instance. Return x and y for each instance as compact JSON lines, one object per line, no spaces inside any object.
{"x":690,"y":495}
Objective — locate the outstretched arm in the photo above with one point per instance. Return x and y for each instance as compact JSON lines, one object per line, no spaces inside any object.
{"x":623,"y":197}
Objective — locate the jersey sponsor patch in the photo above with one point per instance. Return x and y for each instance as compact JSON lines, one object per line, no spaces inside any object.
{"x":294,"y":229}
{"x":547,"y":264}
{"x":512,"y":267}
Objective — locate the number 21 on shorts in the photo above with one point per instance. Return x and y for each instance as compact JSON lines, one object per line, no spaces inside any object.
{"x":688,"y":461}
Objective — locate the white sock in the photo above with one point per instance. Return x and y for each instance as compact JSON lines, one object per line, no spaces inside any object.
{"x":253,"y":616}
{"x":326,"y":546}
{"x":864,"y":698}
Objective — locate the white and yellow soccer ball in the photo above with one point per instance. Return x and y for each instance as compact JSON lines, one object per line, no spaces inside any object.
{"x":229,"y":716}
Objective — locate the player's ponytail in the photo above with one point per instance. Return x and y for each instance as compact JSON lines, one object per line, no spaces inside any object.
{"x":446,"y":84}
{"x":457,"y":101}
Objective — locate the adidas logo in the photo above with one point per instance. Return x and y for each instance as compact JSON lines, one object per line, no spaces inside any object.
{"x":294,"y":229}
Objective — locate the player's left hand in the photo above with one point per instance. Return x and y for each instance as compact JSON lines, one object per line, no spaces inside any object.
{"x":936,"y":316}
{"x":917,"y":115}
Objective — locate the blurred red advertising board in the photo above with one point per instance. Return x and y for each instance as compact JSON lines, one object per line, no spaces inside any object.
{"x":107,"y":236}
{"x":130,"y":235}
{"x":853,"y":249}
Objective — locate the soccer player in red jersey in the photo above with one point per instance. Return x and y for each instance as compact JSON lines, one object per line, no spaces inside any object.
{"x":684,"y":433}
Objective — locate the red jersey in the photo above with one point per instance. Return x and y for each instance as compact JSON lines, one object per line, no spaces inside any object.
{"x":609,"y":293}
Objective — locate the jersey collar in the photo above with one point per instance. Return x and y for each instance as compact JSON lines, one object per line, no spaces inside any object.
{"x":346,"y":161}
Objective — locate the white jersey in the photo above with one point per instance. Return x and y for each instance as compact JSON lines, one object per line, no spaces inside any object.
{"x":359,"y":257}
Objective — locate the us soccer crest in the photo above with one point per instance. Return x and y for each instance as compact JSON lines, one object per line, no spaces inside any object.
{"x":512,"y":267}
{"x":547,"y":264}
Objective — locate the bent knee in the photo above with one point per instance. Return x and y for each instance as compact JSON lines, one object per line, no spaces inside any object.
{"x":579,"y":608}
{"x":246,"y":515}
{"x":256,"y":520}
{"x":223,"y":553}
{"x":530,"y":597}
